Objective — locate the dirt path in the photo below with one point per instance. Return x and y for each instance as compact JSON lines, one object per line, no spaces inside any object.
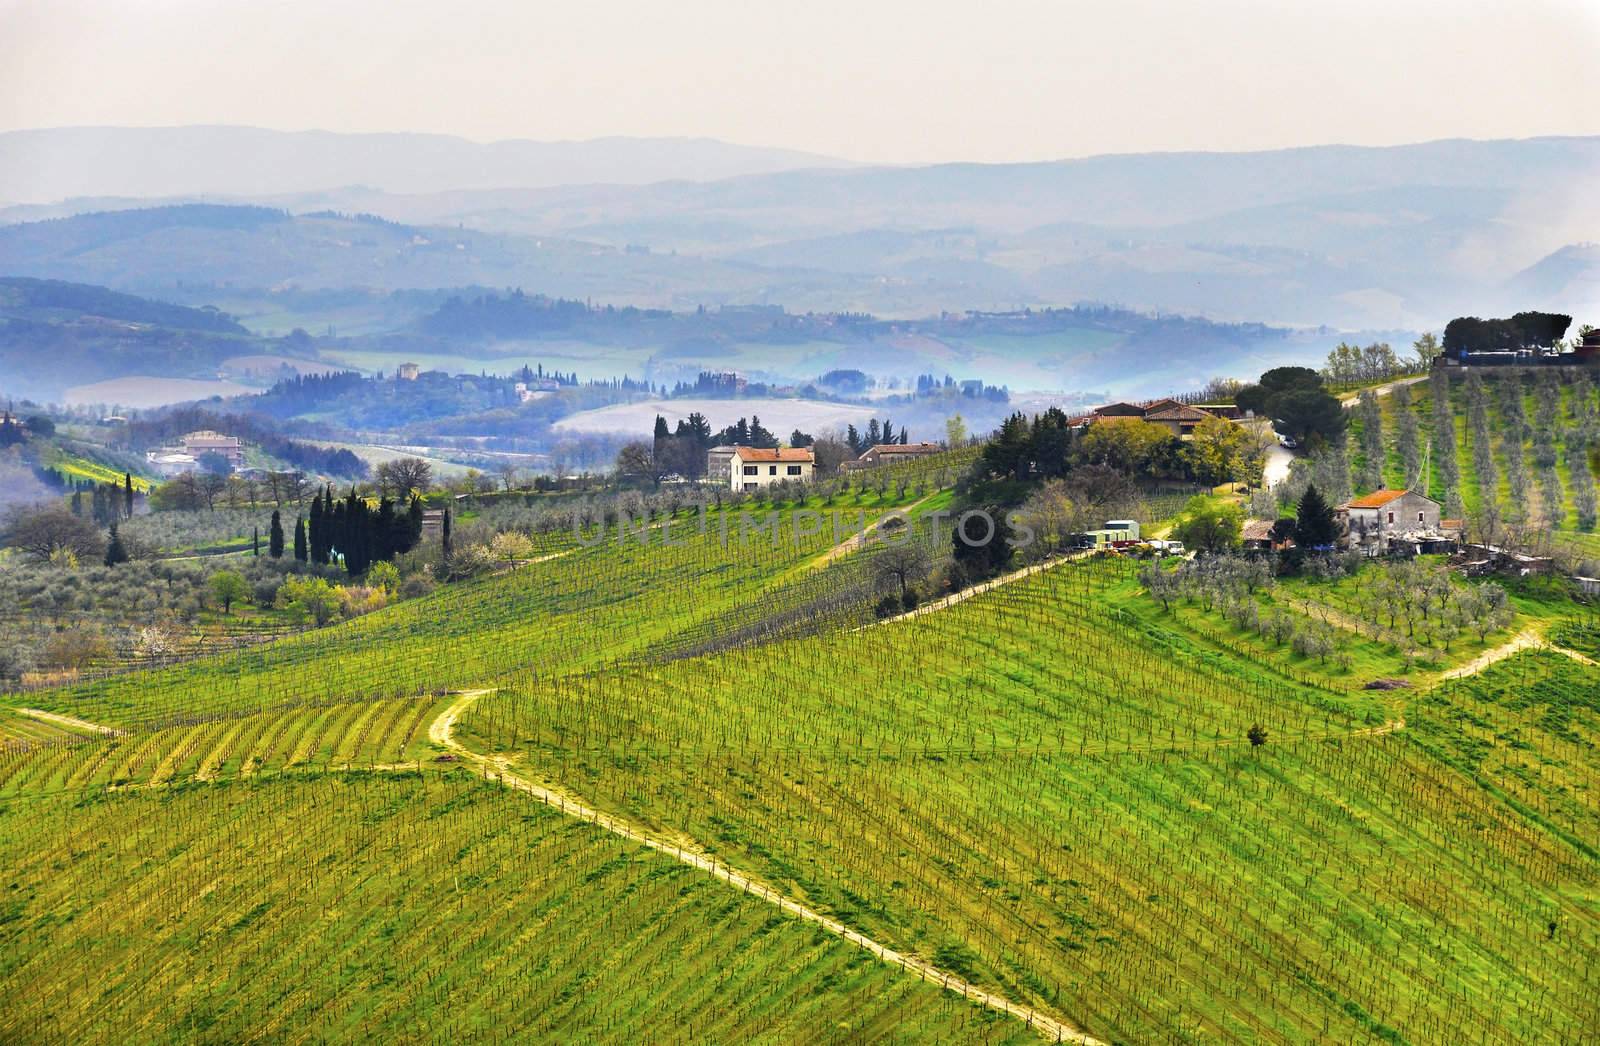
{"x":979,"y":589}
{"x":1527,"y":639}
{"x":1350,"y":399}
{"x":498,"y":768}
{"x":69,"y":722}
{"x":855,"y":541}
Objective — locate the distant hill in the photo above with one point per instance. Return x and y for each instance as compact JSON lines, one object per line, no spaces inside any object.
{"x":1567,"y":277}
{"x":40,"y":166}
{"x":56,"y":300}
{"x":56,"y":336}
{"x":1399,"y":237}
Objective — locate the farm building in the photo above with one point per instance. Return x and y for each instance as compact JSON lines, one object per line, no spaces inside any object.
{"x":718,"y":462}
{"x":205,"y":441}
{"x":407,"y":372}
{"x":1114,"y":532}
{"x":1177,"y":417}
{"x":751,"y":468}
{"x":1263,"y":535}
{"x":889,"y":453}
{"x":1374,"y":521}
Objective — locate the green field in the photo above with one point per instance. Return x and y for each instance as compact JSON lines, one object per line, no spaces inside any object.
{"x":717,"y":792}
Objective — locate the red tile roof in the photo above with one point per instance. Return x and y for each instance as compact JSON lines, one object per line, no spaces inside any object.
{"x":1377,"y":499}
{"x":1178,"y":412}
{"x":794,"y":454}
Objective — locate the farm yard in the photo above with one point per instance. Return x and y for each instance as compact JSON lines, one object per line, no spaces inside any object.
{"x":1058,"y":802}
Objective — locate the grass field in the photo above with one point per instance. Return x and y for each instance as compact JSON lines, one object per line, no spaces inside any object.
{"x":1045,"y":791}
{"x":86,"y":471}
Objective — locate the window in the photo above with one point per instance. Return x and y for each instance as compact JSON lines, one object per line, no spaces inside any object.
{"x":1419,"y":518}
{"x":752,"y":470}
{"x":794,"y":470}
{"x":751,"y":486}
{"x":1391,"y":517}
{"x":772,"y":470}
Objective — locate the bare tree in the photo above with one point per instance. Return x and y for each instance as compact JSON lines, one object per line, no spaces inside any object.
{"x":404,"y":476}
{"x":210,"y":485}
{"x":903,"y":563}
{"x":637,"y":461}
{"x":46,"y":532}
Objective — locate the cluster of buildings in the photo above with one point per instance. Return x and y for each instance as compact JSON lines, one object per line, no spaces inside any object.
{"x":538,"y":388}
{"x":1587,"y":354}
{"x":1385,"y":522}
{"x":751,"y":468}
{"x":1177,"y":417}
{"x":185,"y":455}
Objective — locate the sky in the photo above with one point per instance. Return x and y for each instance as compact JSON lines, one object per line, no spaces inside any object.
{"x":891,"y":81}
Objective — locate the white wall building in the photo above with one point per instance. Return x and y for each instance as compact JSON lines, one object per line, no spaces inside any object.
{"x":751,"y":468}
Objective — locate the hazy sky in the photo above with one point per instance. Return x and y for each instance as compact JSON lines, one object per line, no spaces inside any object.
{"x":882,"y":80}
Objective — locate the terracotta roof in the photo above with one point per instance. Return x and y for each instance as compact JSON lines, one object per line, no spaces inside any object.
{"x":1377,"y":499}
{"x":1450,"y":524}
{"x":1119,"y":410}
{"x":1159,"y":405}
{"x":796,"y":454}
{"x":904,"y":448}
{"x":1256,"y":530}
{"x":1177,"y":413}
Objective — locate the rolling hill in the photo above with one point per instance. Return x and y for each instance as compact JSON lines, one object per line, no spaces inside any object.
{"x":1396,"y":237}
{"x":691,"y":782}
{"x":41,"y":166}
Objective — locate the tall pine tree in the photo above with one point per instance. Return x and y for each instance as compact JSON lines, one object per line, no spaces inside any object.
{"x":301,"y":552}
{"x":275,"y":536}
{"x":1314,"y":526}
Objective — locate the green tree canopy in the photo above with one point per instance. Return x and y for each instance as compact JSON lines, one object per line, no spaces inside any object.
{"x":1210,"y":525}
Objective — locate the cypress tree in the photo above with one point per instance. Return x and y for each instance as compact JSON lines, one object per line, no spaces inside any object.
{"x":444,"y":535}
{"x":301,"y":552}
{"x":255,"y":542}
{"x":317,"y":531}
{"x":275,"y":537}
{"x":127,"y":492}
{"x":115,"y":552}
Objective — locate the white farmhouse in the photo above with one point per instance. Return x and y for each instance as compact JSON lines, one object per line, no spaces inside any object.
{"x":750,"y":468}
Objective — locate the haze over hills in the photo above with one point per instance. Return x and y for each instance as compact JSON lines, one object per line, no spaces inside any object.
{"x":40,"y":166}
{"x":1398,"y":237}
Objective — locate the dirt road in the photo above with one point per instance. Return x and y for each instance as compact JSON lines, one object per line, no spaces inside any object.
{"x":1527,"y":639}
{"x":499,"y":768}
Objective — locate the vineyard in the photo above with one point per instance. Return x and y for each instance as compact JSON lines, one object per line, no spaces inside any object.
{"x":1139,"y":822}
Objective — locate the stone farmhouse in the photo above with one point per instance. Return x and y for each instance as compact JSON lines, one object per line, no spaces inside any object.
{"x":1386,"y":520}
{"x":751,"y":468}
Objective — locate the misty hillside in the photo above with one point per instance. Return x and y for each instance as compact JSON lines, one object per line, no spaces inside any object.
{"x":1391,"y":238}
{"x":40,"y":166}
{"x":22,"y":298}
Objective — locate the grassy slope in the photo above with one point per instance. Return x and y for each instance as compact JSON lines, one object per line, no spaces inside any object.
{"x":1074,"y":817}
{"x":1029,"y":788}
{"x":407,"y":903}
